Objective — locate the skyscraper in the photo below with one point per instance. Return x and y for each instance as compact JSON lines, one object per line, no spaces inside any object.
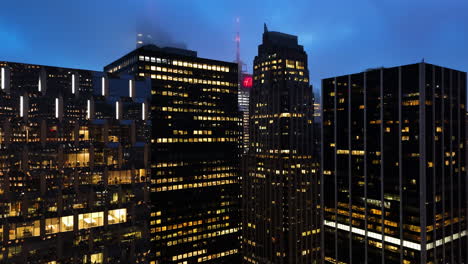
{"x":245,"y":86}
{"x":280,"y":191}
{"x":394,"y":176}
{"x":196,"y":130}
{"x":74,"y":168}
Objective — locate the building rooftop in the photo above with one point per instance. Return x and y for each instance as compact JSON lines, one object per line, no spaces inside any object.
{"x":178,"y":51}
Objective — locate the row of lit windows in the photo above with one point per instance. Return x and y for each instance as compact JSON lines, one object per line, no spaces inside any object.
{"x":294,"y":157}
{"x":310,"y":232}
{"x":216,"y":118}
{"x":196,"y":103}
{"x":201,"y":177}
{"x":281,"y":115}
{"x":205,"y":168}
{"x":289,"y":64}
{"x":187,"y":224}
{"x":203,"y":236}
{"x":170,"y":93}
{"x":166,"y":180}
{"x":124,"y":64}
{"x":185,"y":64}
{"x":164,"y":69}
{"x":215,"y":176}
{"x":218,"y":168}
{"x":188,"y":80}
{"x":195,"y":140}
{"x":189,"y":255}
{"x":191,"y":231}
{"x":66,"y":223}
{"x":189,"y":110}
{"x":218,"y":90}
{"x":218,"y":255}
{"x":172,"y":164}
{"x":353,"y":152}
{"x":192,"y":185}
{"x":296,"y":79}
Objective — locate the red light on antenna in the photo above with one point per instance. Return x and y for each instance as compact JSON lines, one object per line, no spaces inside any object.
{"x":247,"y":82}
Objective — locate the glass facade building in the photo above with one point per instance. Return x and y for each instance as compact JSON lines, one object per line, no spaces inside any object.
{"x":393,"y":166}
{"x":74,"y":184}
{"x":245,"y":85}
{"x":196,"y":135}
{"x":280,"y":219}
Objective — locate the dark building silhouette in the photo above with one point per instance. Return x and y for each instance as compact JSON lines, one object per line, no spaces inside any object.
{"x":394,"y":157}
{"x":74,"y":167}
{"x":196,"y":130}
{"x":280,"y":191}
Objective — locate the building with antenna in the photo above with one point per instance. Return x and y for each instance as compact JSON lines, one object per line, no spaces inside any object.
{"x":245,"y":86}
{"x":280,"y":221}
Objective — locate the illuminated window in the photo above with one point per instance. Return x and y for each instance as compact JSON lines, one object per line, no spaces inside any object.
{"x":73,"y":83}
{"x":52,"y":226}
{"x":90,"y":220}
{"x":88,"y":109}
{"x":117,"y":110}
{"x":56,"y":107}
{"x":66,"y":223}
{"x":130,"y":87}
{"x":103,"y":86}
{"x":300,"y":65}
{"x":94,"y":258}
{"x":24,"y":230}
{"x":3,"y":78}
{"x":120,"y":177}
{"x":117,"y":216}
{"x":21,"y":106}
{"x":290,"y":64}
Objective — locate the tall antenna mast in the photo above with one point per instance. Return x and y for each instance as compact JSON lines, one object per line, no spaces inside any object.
{"x":238,"y":59}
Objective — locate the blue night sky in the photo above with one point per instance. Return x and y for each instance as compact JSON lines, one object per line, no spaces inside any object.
{"x":340,"y":36}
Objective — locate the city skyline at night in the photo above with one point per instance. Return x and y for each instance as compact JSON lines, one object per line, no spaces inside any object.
{"x":225,"y":132}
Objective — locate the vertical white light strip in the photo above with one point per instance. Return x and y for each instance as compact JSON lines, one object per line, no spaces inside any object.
{"x":103,"y":86}
{"x":56,"y":107}
{"x":143,"y":111}
{"x":88,"y":111}
{"x":39,"y":85}
{"x":73,"y":83}
{"x":117,"y":110}
{"x":130,"y":87}
{"x":3,"y":78}
{"x":21,"y":106}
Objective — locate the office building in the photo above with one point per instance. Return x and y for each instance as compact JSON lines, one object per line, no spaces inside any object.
{"x":393,"y":166}
{"x":280,"y":190}
{"x":196,"y":130}
{"x":244,"y":94}
{"x":74,"y":171}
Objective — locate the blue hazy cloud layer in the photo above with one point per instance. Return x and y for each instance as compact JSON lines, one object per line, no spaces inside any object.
{"x":340,"y":36}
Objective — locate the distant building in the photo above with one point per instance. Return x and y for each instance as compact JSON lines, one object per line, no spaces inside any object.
{"x":245,"y":87}
{"x":280,"y":192}
{"x":394,"y":166}
{"x":74,"y":167}
{"x":195,"y":139}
